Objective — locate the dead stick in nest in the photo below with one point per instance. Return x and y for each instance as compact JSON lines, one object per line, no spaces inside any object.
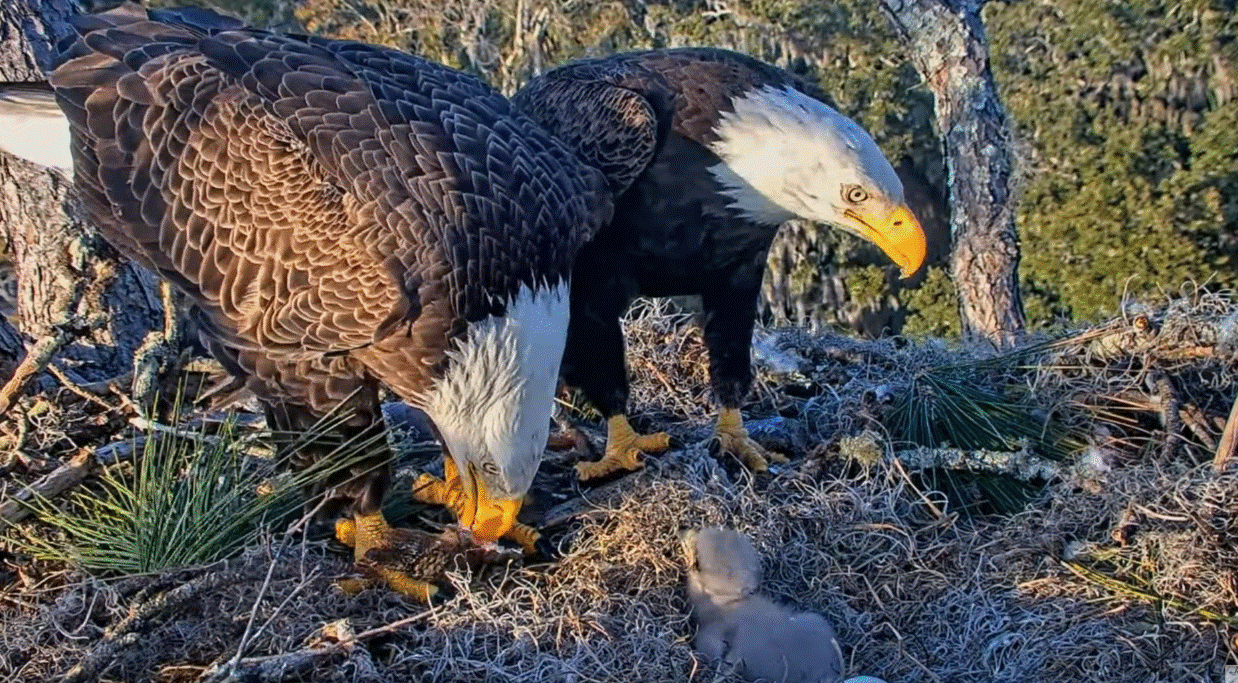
{"x":129,"y":630}
{"x":1019,"y":464}
{"x":251,"y":449}
{"x":70,"y":326}
{"x":278,"y":667}
{"x":37,"y":358}
{"x":76,"y":388}
{"x":1171,"y":418}
{"x":65,"y":477}
{"x":1229,"y":437}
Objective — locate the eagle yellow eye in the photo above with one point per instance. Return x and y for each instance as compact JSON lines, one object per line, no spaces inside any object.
{"x":854,"y":194}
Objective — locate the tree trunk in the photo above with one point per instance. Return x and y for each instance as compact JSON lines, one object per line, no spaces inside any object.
{"x":67,"y":275}
{"x":947,"y":41}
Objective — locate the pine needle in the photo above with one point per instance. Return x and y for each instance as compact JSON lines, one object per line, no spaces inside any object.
{"x":964,"y":406}
{"x":1129,"y":589}
{"x":186,"y":501}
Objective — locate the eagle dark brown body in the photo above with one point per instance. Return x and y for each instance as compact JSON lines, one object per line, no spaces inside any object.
{"x":340,"y":216}
{"x":707,"y":151}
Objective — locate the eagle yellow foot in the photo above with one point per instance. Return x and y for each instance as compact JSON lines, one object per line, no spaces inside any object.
{"x":364,"y":533}
{"x":488,"y":520}
{"x":623,"y":450}
{"x":732,"y":438}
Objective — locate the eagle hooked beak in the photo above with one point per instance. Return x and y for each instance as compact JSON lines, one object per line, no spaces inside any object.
{"x":487,"y":518}
{"x":898,"y":234}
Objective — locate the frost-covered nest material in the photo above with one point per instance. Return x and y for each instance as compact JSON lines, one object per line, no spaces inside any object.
{"x":1121,"y":386}
{"x":1123,"y":569}
{"x":917,"y":594}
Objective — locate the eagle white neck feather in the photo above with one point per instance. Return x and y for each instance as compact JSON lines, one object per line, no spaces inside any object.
{"x":785,"y":155}
{"x":498,"y":393}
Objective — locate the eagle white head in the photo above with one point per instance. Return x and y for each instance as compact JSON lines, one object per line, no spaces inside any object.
{"x":492,"y":408}
{"x":787,"y":155}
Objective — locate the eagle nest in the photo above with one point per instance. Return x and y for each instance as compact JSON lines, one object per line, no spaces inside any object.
{"x":1122,"y":565}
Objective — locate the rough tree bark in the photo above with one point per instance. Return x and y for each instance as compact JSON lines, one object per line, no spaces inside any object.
{"x":68,"y":277}
{"x":947,"y":42}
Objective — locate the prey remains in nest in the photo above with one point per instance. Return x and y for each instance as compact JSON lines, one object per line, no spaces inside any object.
{"x":419,"y":561}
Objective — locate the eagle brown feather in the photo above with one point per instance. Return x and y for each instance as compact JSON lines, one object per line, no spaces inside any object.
{"x":337,"y":213}
{"x":707,"y":151}
{"x":314,"y":196}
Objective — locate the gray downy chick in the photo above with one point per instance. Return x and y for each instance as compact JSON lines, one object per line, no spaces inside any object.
{"x":735,"y":624}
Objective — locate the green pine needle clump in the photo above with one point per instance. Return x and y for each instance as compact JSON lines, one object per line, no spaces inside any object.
{"x":959,"y":407}
{"x":950,"y":407}
{"x":184,"y":501}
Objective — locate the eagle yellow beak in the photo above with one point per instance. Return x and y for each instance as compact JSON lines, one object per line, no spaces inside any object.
{"x":488,"y":519}
{"x":898,"y":234}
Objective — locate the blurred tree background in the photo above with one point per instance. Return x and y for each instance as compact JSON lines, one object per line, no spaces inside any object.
{"x":1125,"y":118}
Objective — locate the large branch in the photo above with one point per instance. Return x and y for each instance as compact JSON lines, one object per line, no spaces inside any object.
{"x":947,"y":42}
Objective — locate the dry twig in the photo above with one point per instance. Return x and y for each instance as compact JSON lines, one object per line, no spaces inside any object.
{"x":1229,"y":439}
{"x":51,"y":485}
{"x":278,"y":667}
{"x":129,"y":630}
{"x":37,"y":358}
{"x":67,"y":476}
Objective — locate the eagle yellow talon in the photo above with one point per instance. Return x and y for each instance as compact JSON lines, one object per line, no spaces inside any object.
{"x":733,"y":439}
{"x":489,"y":521}
{"x":352,"y":586}
{"x":346,"y":532}
{"x":526,"y":537}
{"x":623,"y":450}
{"x":397,"y":581}
{"x":657,"y":442}
{"x":400,"y":582}
{"x":616,"y":459}
{"x":431,"y":490}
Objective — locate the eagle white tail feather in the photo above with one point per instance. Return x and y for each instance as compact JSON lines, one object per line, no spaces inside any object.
{"x":33,"y":127}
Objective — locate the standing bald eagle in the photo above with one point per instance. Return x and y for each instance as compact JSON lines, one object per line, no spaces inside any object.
{"x":341,"y":216}
{"x":708,"y":152}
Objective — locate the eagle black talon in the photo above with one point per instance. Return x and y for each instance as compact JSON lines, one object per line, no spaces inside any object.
{"x":445,"y":594}
{"x":546,"y":549}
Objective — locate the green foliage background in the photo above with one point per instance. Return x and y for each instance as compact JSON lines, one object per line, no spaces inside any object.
{"x":1129,"y":113}
{"x":1126,"y":122}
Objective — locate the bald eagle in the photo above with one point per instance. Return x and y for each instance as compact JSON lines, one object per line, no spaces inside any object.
{"x":341,"y":216}
{"x":707,"y":152}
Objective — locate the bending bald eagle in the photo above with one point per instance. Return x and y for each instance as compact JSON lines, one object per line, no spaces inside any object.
{"x":342,"y":216}
{"x":708,"y":152}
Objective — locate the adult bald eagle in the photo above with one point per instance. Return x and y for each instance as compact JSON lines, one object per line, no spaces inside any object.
{"x":707,"y":151}
{"x":341,"y":216}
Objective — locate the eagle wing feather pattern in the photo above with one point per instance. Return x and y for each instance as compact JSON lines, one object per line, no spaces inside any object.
{"x":615,"y":115}
{"x":312,"y":196}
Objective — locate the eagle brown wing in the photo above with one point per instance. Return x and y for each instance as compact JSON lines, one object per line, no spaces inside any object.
{"x":707,"y":80}
{"x":614,"y":114}
{"x":311,"y":196}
